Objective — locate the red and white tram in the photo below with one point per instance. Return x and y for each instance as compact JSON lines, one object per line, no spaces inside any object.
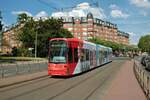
{"x":70,"y":56}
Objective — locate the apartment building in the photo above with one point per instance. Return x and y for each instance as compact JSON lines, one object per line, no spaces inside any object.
{"x":9,"y":40}
{"x":123,"y":37}
{"x":1,"y":41}
{"x":89,"y":27}
{"x":81,"y":27}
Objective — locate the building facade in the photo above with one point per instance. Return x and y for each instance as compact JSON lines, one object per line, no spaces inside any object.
{"x":123,"y":37}
{"x":90,"y":27}
{"x":1,"y":35}
{"x":81,"y":27}
{"x":9,"y":40}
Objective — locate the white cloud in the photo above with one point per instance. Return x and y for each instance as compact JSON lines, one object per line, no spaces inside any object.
{"x":144,"y":13}
{"x":20,"y":12}
{"x":81,"y":10}
{"x":84,"y":5}
{"x":134,"y":42}
{"x":113,"y":6}
{"x":131,"y":33}
{"x":3,"y":23}
{"x":41,"y":14}
{"x":133,"y":38}
{"x":116,"y":12}
{"x":141,"y":3}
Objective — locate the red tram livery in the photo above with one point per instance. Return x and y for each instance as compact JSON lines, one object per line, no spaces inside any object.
{"x":70,"y":56}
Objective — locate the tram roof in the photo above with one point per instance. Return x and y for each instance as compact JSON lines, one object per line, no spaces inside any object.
{"x":78,"y":40}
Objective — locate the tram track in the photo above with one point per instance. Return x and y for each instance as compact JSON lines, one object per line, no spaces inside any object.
{"x":55,"y":88}
{"x":55,"y":83}
{"x":83,"y":81}
{"x":11,"y":87}
{"x":78,"y":83}
{"x":95,"y":89}
{"x":28,"y":92}
{"x":51,"y":98}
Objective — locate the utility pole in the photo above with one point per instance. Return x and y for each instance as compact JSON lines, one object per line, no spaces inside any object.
{"x":36,"y":38}
{"x":36,"y":44}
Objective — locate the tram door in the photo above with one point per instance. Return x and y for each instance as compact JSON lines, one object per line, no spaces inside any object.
{"x":101,"y":56}
{"x":70,"y":59}
{"x":85,"y":59}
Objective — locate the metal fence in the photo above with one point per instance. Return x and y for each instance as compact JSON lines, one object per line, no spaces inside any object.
{"x":143,"y":76}
{"x":18,"y":68}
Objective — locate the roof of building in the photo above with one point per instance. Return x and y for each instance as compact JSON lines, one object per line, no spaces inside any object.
{"x":123,"y":33}
{"x":89,"y":15}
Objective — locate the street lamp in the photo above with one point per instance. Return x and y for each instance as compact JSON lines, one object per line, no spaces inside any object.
{"x":36,"y":35}
{"x":36,"y":44}
{"x":38,"y":27}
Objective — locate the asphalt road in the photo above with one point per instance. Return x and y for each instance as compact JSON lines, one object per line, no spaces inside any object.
{"x":91,"y":85}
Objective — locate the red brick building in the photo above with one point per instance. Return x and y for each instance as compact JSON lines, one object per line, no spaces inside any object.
{"x":9,"y":40}
{"x":89,"y":27}
{"x":81,"y":27}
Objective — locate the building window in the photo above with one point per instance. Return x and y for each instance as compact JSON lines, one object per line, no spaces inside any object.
{"x":68,"y":20}
{"x":70,"y":29}
{"x":84,"y":29}
{"x":84,"y":25}
{"x":90,"y":19}
{"x":95,"y":20}
{"x":83,"y":19}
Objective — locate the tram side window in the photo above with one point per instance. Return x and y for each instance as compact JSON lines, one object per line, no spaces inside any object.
{"x":105,"y":54}
{"x":91,"y":57}
{"x":83,"y":55}
{"x":70,"y":55}
{"x":87,"y":54}
{"x":102,"y":54}
{"x":75,"y":54}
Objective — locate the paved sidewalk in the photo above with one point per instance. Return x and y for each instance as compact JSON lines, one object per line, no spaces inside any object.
{"x":125,"y":86}
{"x":22,"y":78}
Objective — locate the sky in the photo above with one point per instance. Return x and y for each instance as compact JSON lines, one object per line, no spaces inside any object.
{"x":131,"y":16}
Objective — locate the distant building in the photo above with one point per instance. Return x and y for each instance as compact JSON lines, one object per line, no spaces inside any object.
{"x":123,"y":37}
{"x":9,"y":40}
{"x":1,"y":41}
{"x":81,"y":27}
{"x":89,"y":27}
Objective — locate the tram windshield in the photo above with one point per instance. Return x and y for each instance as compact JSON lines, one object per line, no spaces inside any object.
{"x":58,"y":51}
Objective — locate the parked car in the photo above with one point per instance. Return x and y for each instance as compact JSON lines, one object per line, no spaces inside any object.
{"x":147,"y":63}
{"x":143,"y":60}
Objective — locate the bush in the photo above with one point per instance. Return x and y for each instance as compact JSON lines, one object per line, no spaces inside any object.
{"x":14,"y":51}
{"x":24,"y":52}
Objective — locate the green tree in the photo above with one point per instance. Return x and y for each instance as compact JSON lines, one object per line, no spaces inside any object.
{"x":113,"y":45}
{"x":22,"y":18}
{"x":49,"y":28}
{"x":144,"y":43}
{"x":26,"y":34}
